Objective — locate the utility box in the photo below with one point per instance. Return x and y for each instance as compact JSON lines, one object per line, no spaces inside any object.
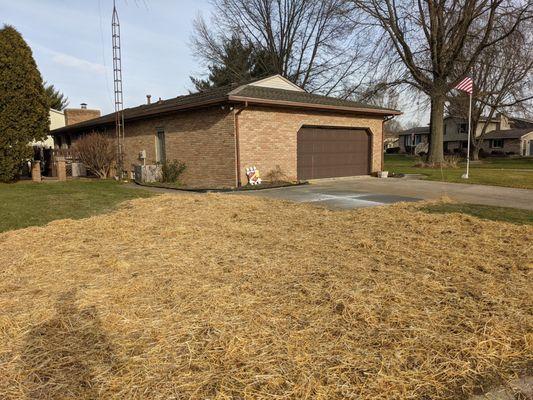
{"x":78,"y":169}
{"x":148,"y":173}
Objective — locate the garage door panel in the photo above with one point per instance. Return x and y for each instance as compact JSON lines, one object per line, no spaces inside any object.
{"x":330,"y":152}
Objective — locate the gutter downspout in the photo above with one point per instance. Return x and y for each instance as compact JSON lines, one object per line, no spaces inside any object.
{"x":236,"y":114}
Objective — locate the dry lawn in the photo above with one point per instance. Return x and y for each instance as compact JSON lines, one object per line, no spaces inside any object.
{"x":228,"y":297}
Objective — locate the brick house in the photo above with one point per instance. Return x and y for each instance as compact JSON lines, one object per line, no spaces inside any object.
{"x":508,"y":142}
{"x":267,"y":123}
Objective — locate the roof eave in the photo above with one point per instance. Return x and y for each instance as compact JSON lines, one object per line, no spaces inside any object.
{"x":360,"y":110}
{"x":97,"y":122}
{"x":85,"y":125}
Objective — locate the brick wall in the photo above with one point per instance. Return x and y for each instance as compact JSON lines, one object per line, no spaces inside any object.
{"x":75,"y":115}
{"x":204,"y":139}
{"x":267,"y":136}
{"x":510,"y":146}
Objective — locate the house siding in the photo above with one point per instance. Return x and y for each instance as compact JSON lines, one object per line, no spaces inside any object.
{"x":452,"y":134}
{"x":276,"y":82}
{"x":268,"y":136}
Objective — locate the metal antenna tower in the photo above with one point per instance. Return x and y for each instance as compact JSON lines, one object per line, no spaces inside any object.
{"x":119,"y":98}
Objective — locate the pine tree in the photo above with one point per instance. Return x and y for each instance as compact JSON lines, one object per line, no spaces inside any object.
{"x":239,"y":63}
{"x":24,"y":106}
{"x":58,"y":101}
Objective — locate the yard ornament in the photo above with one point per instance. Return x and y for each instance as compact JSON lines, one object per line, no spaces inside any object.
{"x":253,"y":176}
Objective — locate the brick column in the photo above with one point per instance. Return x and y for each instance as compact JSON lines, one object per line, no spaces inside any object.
{"x":61,"y":169}
{"x":36,"y":171}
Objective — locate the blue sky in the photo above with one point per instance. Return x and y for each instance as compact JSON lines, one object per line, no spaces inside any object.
{"x":71,"y":42}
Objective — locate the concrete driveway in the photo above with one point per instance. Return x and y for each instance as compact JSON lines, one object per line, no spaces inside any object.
{"x":356,"y":192}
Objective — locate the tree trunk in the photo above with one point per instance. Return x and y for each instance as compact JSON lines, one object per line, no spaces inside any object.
{"x":436,"y":151}
{"x":475,"y":152}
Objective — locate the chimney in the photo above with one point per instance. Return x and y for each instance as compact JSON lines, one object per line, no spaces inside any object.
{"x":148,"y":99}
{"x":76,"y":115}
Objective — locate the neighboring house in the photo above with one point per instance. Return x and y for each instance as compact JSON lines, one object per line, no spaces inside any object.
{"x":508,"y":142}
{"x":268,"y":123}
{"x":391,"y":143}
{"x":42,"y":149}
{"x":390,"y":135}
{"x":45,"y":150}
{"x":73,"y":116}
{"x":410,"y":138}
{"x":455,"y":137}
{"x":57,"y":120}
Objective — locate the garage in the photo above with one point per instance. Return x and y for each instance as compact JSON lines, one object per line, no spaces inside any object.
{"x":270,"y":124}
{"x":328,"y":152}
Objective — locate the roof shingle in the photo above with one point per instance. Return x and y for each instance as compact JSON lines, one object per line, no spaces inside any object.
{"x":229,"y":93}
{"x":507,"y":134}
{"x":266,"y":93}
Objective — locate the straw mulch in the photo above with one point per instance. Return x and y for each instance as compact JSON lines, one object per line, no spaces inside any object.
{"x":230,"y":297}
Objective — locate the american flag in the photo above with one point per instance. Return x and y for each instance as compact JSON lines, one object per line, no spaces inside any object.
{"x":466,"y":85}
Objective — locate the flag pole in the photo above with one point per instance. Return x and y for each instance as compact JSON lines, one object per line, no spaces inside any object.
{"x":465,"y":176}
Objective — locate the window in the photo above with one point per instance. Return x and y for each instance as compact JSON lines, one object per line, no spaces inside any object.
{"x":160,"y":149}
{"x":412,"y":140}
{"x":496,"y":143}
{"x":463,"y":128}
{"x":464,"y":144}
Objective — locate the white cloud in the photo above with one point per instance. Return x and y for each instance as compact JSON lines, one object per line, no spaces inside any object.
{"x":75,"y":62}
{"x":70,"y":61}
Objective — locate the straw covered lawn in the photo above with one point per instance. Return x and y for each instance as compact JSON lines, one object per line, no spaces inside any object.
{"x":229,"y":297}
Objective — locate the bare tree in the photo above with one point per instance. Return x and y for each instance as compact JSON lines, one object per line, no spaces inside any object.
{"x":305,"y":41}
{"x":433,"y":44}
{"x":503,"y":82}
{"x":97,"y":152}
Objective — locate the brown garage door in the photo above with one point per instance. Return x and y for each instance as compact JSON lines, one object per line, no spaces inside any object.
{"x":330,"y":152}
